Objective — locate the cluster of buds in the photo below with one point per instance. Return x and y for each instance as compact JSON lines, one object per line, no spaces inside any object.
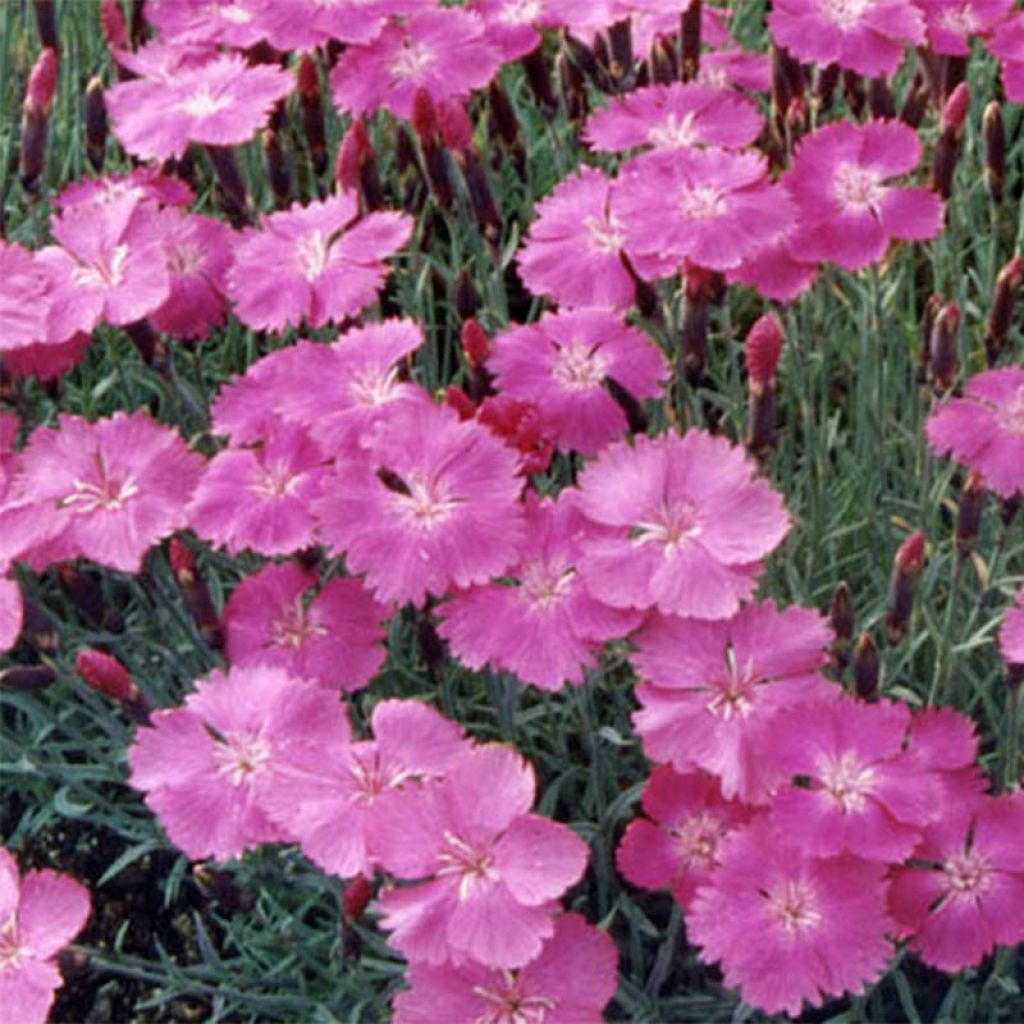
{"x":947,"y":148}
{"x":906,"y":573}
{"x":35,"y":119}
{"x":106,"y":675}
{"x":762,"y":349}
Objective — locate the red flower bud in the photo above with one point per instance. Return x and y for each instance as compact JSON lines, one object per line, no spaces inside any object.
{"x":1000,"y":316}
{"x":115,"y":31}
{"x":954,"y":113}
{"x":476,"y":346}
{"x":355,"y":145}
{"x":106,"y":675}
{"x":456,"y":128}
{"x":910,"y":556}
{"x":42,"y":81}
{"x":308,"y":78}
{"x":183,"y":562}
{"x":907,"y":568}
{"x":943,"y":347}
{"x":455,"y":397}
{"x":356,"y":897}
{"x":763,"y":348}
{"x":424,"y":117}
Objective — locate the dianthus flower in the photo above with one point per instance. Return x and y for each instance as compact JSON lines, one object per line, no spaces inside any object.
{"x":40,"y":913}
{"x":112,"y":488}
{"x":431,"y":502}
{"x":736,"y":67}
{"x":944,"y":743}
{"x":223,"y":102}
{"x":789,"y":928}
{"x":569,"y":982}
{"x":306,"y":24}
{"x":952,"y":23}
{"x":985,"y":428}
{"x":539,"y":621}
{"x":442,"y":50}
{"x":24,"y":299}
{"x":963,"y":892}
{"x":314,"y":263}
{"x":677,"y":845}
{"x":866,"y":36}
{"x":198,"y":764}
{"x":333,"y":796}
{"x":1011,"y":635}
{"x":860,"y":791}
{"x":573,"y":251}
{"x":1007,"y":43}
{"x":511,"y":26}
{"x":690,"y":525}
{"x":848,"y":212}
{"x":489,"y":870}
{"x":334,"y":639}
{"x":713,"y":691}
{"x":712,"y":207}
{"x":46,"y":360}
{"x":234,"y":23}
{"x":670,"y":116}
{"x":133,"y":186}
{"x":560,"y":364}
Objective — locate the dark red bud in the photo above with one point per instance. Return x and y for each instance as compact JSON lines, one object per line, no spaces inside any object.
{"x":762,"y":349}
{"x":455,"y":127}
{"x":356,"y":898}
{"x":424,"y":117}
{"x":476,"y":346}
{"x":943,"y":346}
{"x":867,"y":668}
{"x":106,"y":675}
{"x":95,"y":124}
{"x":969,"y":511}
{"x":112,"y":22}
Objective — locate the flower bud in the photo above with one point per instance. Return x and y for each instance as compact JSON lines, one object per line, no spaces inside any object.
{"x":95,"y":124}
{"x":931,"y":311}
{"x":27,"y":678}
{"x":689,"y":31}
{"x":112,"y":22}
{"x":943,"y":347}
{"x":467,"y":298}
{"x":46,"y":21}
{"x":538,"y":76}
{"x":481,"y":197}
{"x":993,"y":134}
{"x":1000,"y":317}
{"x":880,"y":100}
{"x":954,"y":112}
{"x":356,"y":166}
{"x":916,"y":103}
{"x":278,"y":174}
{"x":476,"y":346}
{"x":762,"y":350}
{"x":42,"y":81}
{"x":906,"y":572}
{"x":35,"y":119}
{"x":866,"y":668}
{"x":696,"y":310}
{"x":969,"y":510}
{"x":234,"y":195}
{"x":106,"y":675}
{"x":311,"y":105}
{"x":842,"y":616}
{"x":195,"y":593}
{"x":853,"y":90}
{"x":825,"y":86}
{"x":454,"y":125}
{"x":574,"y":89}
{"x":947,"y":148}
{"x":424,"y":117}
{"x":620,"y":39}
{"x":458,"y":400}
{"x":356,"y":898}
{"x":502,"y":113}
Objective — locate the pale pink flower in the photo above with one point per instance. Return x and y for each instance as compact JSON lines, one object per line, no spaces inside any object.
{"x":560,"y":365}
{"x":335,"y":639}
{"x":333,"y":795}
{"x":431,"y":502}
{"x":489,"y":869}
{"x":24,"y":298}
{"x":1007,"y":43}
{"x":678,"y":844}
{"x":985,"y":428}
{"x":963,"y":892}
{"x":573,"y":251}
{"x":788,"y":928}
{"x":691,"y":524}
{"x":40,"y":913}
{"x":951,"y":24}
{"x":441,"y":50}
{"x":569,"y":982}
{"x":866,"y":36}
{"x":848,"y":210}
{"x":198,"y":764}
{"x":313,"y":263}
{"x":714,"y":693}
{"x":538,"y":622}
{"x":1011,"y":634}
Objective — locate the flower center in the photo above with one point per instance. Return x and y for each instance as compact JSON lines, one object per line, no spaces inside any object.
{"x":794,"y":905}
{"x":276,"y":481}
{"x":106,"y":493}
{"x":579,"y":367}
{"x":10,"y":948}
{"x":604,"y":234}
{"x":240,"y":755}
{"x":510,"y":1004}
{"x":412,"y":60}
{"x":847,"y":781}
{"x":184,"y":259}
{"x":671,"y":526}
{"x":105,"y":271}
{"x":374,"y":387}
{"x":845,"y":13}
{"x":295,"y":628}
{"x":202,"y":103}
{"x":697,"y":839}
{"x":546,"y":583}
{"x":858,"y":189}
{"x":673,"y":131}
{"x":962,"y":21}
{"x":474,"y":867}
{"x":311,"y":254}
{"x":426,"y":503}
{"x":1010,"y":416}
{"x":735,"y":693}
{"x":701,"y":202}
{"x":968,"y":875}
{"x":519,"y":12}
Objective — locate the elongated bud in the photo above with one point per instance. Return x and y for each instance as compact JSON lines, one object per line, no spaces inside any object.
{"x":432,"y":647}
{"x":993,"y":134}
{"x":424,"y":117}
{"x":42,"y":80}
{"x":46,"y":21}
{"x":276,"y":162}
{"x":932,"y":308}
{"x":762,"y":348}
{"x":112,"y":22}
{"x":620,"y":39}
{"x":27,"y":678}
{"x":825,"y":86}
{"x":696,"y":309}
{"x":689,"y":29}
{"x":476,"y":346}
{"x":311,"y":105}
{"x":233,"y":190}
{"x":636,"y":418}
{"x":916,"y":102}
{"x":454,"y":125}
{"x":356,"y":166}
{"x":574,"y":90}
{"x":195,"y":593}
{"x":502,"y":114}
{"x":842,"y":616}
{"x":947,"y":148}
{"x":467,"y":298}
{"x":903,"y":586}
{"x":1000,"y":316}
{"x":95,"y":124}
{"x":481,"y":197}
{"x":663,"y":62}
{"x":435,"y":160}
{"x":853,"y":90}
{"x":105,"y":674}
{"x":35,"y":119}
{"x":458,"y":400}
{"x":538,"y":76}
{"x":880,"y":101}
{"x":944,"y":347}
{"x":954,"y":111}
{"x":969,"y":510}
{"x":867,"y":668}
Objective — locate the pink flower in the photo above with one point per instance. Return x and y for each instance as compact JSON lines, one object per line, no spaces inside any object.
{"x":944,"y":743}
{"x":677,"y":845}
{"x":199,"y":764}
{"x":714,"y":691}
{"x":219,"y":103}
{"x":24,"y":299}
{"x":788,"y":928}
{"x":112,"y":488}
{"x":712,"y":207}
{"x":1007,"y":43}
{"x":489,"y":869}
{"x":539,"y":622}
{"x":735,"y":67}
{"x":40,"y":913}
{"x":985,"y":428}
{"x":1011,"y":635}
{"x":866,"y":36}
{"x":848,"y":213}
{"x":963,"y":893}
{"x":228,"y":22}
{"x":432,"y":502}
{"x":569,"y":982}
{"x":261,"y":498}
{"x":952,"y":23}
{"x":334,"y":796}
{"x":560,"y":364}
{"x":306,"y":24}
{"x":691,"y":524}
{"x":861,"y":792}
{"x":574,"y":249}
{"x":11,"y":612}
{"x":47,"y":361}
{"x":511,"y":25}
{"x":314,"y":263}
{"x":335,"y":639}
{"x":671,"y":116}
{"x":443,"y":51}
{"x":134,"y":186}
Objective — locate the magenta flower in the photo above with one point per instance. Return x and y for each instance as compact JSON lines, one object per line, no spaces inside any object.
{"x":569,"y":982}
{"x":335,"y":639}
{"x":432,"y":502}
{"x":574,"y":249}
{"x":690,"y":525}
{"x":314,"y":263}
{"x":198,"y":764}
{"x":47,"y":360}
{"x":820,"y":925}
{"x":944,"y":743}
{"x":511,"y":25}
{"x":539,"y":621}
{"x":24,"y":300}
{"x":848,"y":213}
{"x":133,"y":186}
{"x":1007,"y":43}
{"x":442,"y":50}
{"x":678,"y":844}
{"x":735,"y":67}
{"x":952,"y":23}
{"x":235,"y":23}
{"x":334,"y":796}
{"x":671,"y":116}
{"x":489,"y":869}
{"x":307,"y":24}
{"x":221,"y":103}
{"x":866,"y":36}
{"x":862,"y":793}
{"x":714,"y":691}
{"x":963,"y":892}
{"x":561,"y":363}
{"x":261,"y":498}
{"x":112,"y":489}
{"x":985,"y":428}
{"x":40,"y":913}
{"x":1011,"y":635}
{"x":714,"y":208}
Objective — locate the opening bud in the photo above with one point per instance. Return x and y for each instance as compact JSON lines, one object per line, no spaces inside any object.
{"x":867,"y":668}
{"x":906,"y":572}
